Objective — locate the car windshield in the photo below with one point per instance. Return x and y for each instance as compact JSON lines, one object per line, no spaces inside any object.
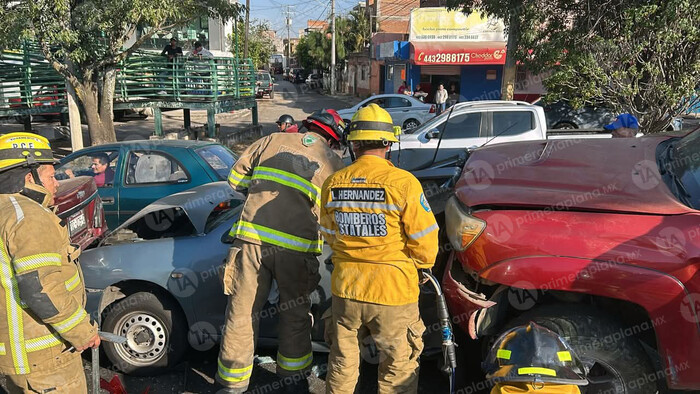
{"x":219,"y":159}
{"x":682,"y":160}
{"x":264,"y":77}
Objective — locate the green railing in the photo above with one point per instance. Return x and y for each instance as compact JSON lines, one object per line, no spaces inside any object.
{"x":148,"y":78}
{"x":28,"y":84}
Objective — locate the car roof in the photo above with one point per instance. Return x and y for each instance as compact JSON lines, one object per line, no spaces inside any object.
{"x":155,"y":144}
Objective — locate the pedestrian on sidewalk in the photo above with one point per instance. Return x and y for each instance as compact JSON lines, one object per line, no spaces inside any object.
{"x":42,"y":299}
{"x":420,"y":94}
{"x":277,"y":238}
{"x":382,"y":231}
{"x":404,"y":89}
{"x":440,"y":99}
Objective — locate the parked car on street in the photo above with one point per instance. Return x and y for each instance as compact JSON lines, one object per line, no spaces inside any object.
{"x":264,"y":85}
{"x":561,"y":115}
{"x":140,"y":172}
{"x":314,"y":81}
{"x":406,"y":112}
{"x":594,"y":239}
{"x":78,"y":203}
{"x":157,"y":280}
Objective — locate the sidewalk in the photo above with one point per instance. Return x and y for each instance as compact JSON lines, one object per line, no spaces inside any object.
{"x":347,"y":98}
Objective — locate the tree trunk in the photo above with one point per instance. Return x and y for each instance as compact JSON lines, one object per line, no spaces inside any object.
{"x":509,"y":69}
{"x":98,"y":108}
{"x":107,"y":104}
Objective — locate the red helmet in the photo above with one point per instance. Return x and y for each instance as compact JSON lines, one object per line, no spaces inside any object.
{"x":328,"y":122}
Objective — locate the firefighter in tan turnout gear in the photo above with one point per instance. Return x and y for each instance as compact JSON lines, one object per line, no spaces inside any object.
{"x":277,"y":238}
{"x":43,"y":297}
{"x":382,"y":231}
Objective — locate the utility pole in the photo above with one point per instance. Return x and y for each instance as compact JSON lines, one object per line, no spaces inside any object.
{"x":332,"y":46}
{"x":247,"y":28}
{"x":289,"y":43}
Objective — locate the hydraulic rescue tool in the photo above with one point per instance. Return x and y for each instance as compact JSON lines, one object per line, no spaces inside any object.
{"x":448,"y":345}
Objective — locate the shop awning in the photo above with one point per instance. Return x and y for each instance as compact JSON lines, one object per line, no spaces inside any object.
{"x":458,"y":52}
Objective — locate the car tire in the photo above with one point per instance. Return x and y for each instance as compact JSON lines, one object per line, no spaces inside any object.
{"x":272,"y":95}
{"x":157,"y":322}
{"x":565,"y":126}
{"x":410,"y":124}
{"x":621,"y":361}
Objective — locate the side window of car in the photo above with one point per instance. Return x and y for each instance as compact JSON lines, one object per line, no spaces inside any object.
{"x":396,"y":102}
{"x":512,"y":122}
{"x":100,"y":165}
{"x":154,"y":167}
{"x":462,"y":126}
{"x":379,"y":101}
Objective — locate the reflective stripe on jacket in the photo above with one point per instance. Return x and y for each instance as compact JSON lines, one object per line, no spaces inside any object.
{"x":42,"y":297}
{"x":381,"y":230}
{"x":283,"y":173}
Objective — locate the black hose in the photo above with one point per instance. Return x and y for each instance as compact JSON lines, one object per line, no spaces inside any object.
{"x":448,"y":345}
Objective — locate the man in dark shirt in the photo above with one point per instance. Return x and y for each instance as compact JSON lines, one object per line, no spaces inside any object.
{"x":172,"y":50}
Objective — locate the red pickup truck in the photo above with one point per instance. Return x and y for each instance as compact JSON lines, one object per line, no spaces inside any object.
{"x":596,"y":239}
{"x":80,"y":207}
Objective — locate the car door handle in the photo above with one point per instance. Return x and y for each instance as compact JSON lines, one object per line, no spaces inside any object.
{"x":108,"y":200}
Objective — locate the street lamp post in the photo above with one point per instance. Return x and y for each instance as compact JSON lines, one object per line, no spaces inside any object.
{"x":332,"y":46}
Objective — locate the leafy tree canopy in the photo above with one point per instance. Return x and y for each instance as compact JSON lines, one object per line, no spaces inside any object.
{"x":84,"y":40}
{"x":636,"y":56}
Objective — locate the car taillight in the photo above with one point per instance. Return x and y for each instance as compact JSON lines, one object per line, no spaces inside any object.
{"x":432,"y":109}
{"x":97,"y":214}
{"x":223,"y":206}
{"x":462,"y":228}
{"x":270,"y":84}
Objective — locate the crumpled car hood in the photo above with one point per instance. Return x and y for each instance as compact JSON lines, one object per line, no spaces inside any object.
{"x":618,"y":175}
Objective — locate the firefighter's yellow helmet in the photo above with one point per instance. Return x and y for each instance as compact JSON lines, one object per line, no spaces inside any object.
{"x":372,"y":123}
{"x":24,"y":149}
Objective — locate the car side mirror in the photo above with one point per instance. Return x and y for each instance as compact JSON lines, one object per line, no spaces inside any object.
{"x":434,"y":133}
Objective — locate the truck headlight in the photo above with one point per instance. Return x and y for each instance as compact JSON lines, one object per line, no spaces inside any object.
{"x":462,"y":228}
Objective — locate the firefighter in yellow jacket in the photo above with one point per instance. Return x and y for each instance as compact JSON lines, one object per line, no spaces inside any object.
{"x":42,"y":296}
{"x":381,"y":229}
{"x":277,"y":238}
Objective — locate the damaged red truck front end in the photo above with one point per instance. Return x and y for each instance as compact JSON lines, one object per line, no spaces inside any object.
{"x":598,"y":240}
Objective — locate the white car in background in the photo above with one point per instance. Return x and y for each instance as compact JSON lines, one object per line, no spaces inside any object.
{"x":406,"y":111}
{"x":472,"y":124}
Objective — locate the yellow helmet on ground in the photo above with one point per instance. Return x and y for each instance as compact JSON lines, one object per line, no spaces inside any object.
{"x":372,"y":123}
{"x":24,"y":149}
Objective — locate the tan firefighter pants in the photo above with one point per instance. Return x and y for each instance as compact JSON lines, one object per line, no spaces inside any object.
{"x":69,"y":379}
{"x":397,"y":332}
{"x":247,"y":278}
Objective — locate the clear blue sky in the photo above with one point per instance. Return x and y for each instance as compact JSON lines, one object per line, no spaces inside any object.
{"x":302,"y":10}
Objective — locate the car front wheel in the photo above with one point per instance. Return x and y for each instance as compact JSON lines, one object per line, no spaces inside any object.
{"x":410,"y":124}
{"x":615,"y":362}
{"x":155,"y":330}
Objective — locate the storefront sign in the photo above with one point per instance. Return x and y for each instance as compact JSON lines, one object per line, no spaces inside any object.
{"x":427,"y":54}
{"x":438,"y":24}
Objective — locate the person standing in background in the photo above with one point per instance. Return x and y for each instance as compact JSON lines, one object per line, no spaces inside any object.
{"x":440,"y":99}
